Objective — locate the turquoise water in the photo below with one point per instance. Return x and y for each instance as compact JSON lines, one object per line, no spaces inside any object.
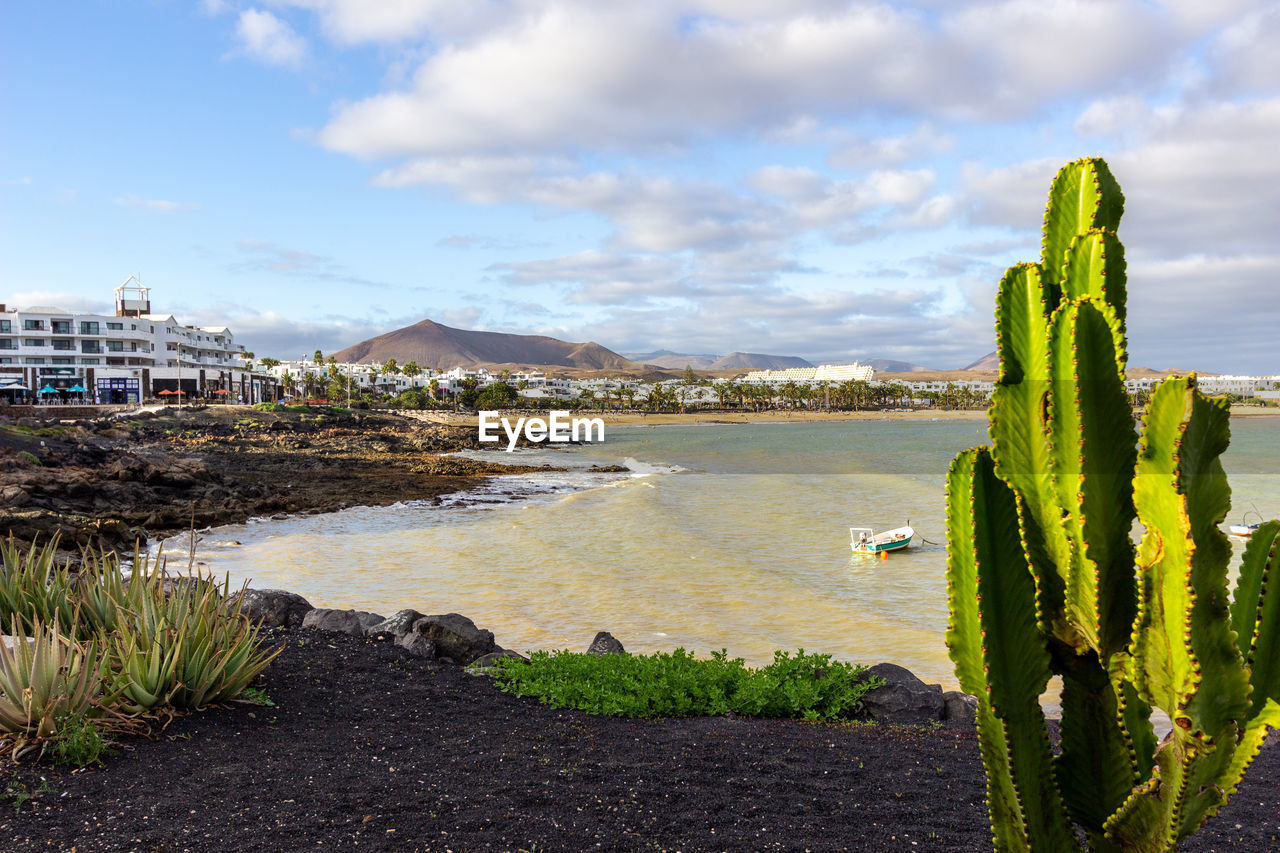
{"x":731,"y":536}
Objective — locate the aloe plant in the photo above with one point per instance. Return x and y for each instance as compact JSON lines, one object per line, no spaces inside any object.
{"x":45,"y":678}
{"x":1045,"y":580}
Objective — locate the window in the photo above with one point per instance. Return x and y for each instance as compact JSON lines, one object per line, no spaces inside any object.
{"x":64,"y":345}
{"x":6,"y":326}
{"x":88,"y":361}
{"x":33,"y":325}
{"x":115,"y":346}
{"x":33,"y":342}
{"x":62,"y":361}
{"x":90,"y":346}
{"x":6,"y":361}
{"x":61,"y":327}
{"x":6,"y":343}
{"x":33,"y":361}
{"x":88,"y":328}
{"x":116,"y":327}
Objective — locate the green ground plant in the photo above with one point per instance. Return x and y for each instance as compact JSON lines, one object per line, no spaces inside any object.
{"x":1045,"y":580}
{"x":677,"y":684}
{"x":97,"y":651}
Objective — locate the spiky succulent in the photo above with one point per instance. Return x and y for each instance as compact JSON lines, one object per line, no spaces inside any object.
{"x":1044,"y":578}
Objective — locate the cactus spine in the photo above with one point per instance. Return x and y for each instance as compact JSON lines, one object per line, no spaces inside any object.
{"x":1044,"y":579}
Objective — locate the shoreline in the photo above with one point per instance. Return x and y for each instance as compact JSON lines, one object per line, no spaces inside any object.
{"x":772,"y":416}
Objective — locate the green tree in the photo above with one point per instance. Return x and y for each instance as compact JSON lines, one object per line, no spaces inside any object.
{"x":690,"y":378}
{"x":499,"y":395}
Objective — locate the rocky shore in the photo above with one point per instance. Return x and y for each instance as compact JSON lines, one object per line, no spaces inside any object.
{"x":114,"y":480}
{"x":452,"y":638}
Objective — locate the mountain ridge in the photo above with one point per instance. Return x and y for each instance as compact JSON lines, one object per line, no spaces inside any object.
{"x":433,"y":344}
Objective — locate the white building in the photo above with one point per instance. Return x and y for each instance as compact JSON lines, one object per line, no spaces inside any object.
{"x":128,"y":357}
{"x":821,"y":373}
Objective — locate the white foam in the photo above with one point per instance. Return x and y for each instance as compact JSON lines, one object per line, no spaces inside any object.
{"x":648,"y":469}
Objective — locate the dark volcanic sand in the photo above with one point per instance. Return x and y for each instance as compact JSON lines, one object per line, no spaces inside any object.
{"x":370,"y":749}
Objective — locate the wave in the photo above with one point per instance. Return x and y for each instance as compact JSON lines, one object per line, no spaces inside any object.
{"x":648,"y":469}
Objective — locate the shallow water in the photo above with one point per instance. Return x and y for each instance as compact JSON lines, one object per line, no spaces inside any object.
{"x":729,"y":536}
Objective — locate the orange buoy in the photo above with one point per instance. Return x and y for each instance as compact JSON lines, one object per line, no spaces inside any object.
{"x":884,"y":555}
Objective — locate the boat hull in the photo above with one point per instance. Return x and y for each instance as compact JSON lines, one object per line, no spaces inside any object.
{"x":880,"y":543}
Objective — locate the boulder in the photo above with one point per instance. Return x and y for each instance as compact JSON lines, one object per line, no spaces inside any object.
{"x":960,"y":707}
{"x":605,"y":644}
{"x":397,"y":624}
{"x":455,"y":637}
{"x":275,"y":608}
{"x":417,"y":645}
{"x":486,"y":661}
{"x":340,"y":621}
{"x":902,"y":698}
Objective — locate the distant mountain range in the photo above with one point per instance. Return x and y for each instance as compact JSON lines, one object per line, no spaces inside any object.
{"x":990,"y":361}
{"x":888,"y":365}
{"x":673,"y":360}
{"x":431,"y":344}
{"x":732,"y":361}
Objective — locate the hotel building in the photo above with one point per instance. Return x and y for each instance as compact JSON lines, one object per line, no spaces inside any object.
{"x":129,"y":357}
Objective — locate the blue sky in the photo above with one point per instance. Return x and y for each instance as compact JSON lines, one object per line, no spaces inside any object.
{"x":827,"y":179}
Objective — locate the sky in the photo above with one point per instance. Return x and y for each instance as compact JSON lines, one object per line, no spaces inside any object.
{"x":833,"y":180}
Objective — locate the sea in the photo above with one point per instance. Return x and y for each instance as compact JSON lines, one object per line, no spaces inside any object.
{"x":716,"y":536}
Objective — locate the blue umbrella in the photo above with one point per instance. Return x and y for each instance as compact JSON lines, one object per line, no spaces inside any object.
{"x":78,"y":388}
{"x":48,"y":389}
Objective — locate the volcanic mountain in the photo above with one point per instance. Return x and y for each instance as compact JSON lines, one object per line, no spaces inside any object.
{"x":433,"y":345}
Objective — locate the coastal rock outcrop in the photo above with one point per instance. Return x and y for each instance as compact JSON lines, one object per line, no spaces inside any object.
{"x":397,"y":624}
{"x":960,"y":707}
{"x":351,"y":622}
{"x":275,"y":608}
{"x":417,"y":645}
{"x":455,"y":637}
{"x":605,"y":644}
{"x":487,"y":661}
{"x":902,"y":698}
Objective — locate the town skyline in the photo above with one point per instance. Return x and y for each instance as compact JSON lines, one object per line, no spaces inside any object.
{"x":833,"y":181}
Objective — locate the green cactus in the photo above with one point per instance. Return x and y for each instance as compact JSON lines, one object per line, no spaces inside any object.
{"x":1044,"y":578}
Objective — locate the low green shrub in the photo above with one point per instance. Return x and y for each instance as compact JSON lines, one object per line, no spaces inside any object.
{"x":79,"y":743}
{"x":268,"y":407}
{"x":676,"y":684}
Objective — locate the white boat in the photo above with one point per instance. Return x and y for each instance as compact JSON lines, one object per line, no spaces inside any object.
{"x":864,"y":540}
{"x":1244,"y":529}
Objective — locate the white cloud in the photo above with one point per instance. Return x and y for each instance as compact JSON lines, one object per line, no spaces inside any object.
{"x":268,"y":39}
{"x":557,"y":76}
{"x":275,"y":335}
{"x":1244,"y":55}
{"x":156,"y":205}
{"x":862,"y":152}
{"x":63,"y":300}
{"x":259,"y":256}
